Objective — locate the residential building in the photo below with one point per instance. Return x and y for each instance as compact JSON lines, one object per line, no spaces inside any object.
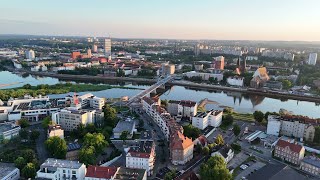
{"x":225,"y":152}
{"x":235,"y":81}
{"x":86,"y":101}
{"x":208,"y":118}
{"x":142,"y":156}
{"x":167,"y":69}
{"x":101,"y":173}
{"x":55,"y":130}
{"x":274,"y":85}
{"x":8,"y":130}
{"x":311,"y":165}
{"x":182,"y":108}
{"x":198,"y":67}
{"x":181,"y":148}
{"x":128,"y":125}
{"x":57,"y":169}
{"x":219,"y":62}
{"x":70,"y":119}
{"x":292,"y":126}
{"x":94,"y":48}
{"x":290,"y":152}
{"x":107,"y":47}
{"x":201,"y":140}
{"x":312,"y":58}
{"x":30,"y":54}
{"x":9,"y":172}
{"x":125,"y":173}
{"x":205,"y":76}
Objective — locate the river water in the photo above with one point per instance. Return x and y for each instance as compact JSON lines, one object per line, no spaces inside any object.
{"x":240,"y":103}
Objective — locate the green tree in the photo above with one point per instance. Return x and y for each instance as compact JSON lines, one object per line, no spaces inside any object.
{"x":215,"y":168}
{"x":191,"y":131}
{"x":27,"y":86}
{"x":34,"y":135}
{"x":286,"y":84}
{"x":23,"y":123}
{"x":258,"y":116}
{"x":28,"y":155}
{"x":219,"y":140}
{"x":124,"y":136}
{"x":97,"y":140}
{"x":110,"y":115}
{"x":236,"y":129}
{"x":57,"y":147}
{"x":20,"y":162}
{"x":205,"y":151}
{"x":91,"y":128}
{"x":87,"y":155}
{"x":46,"y":122}
{"x":266,"y":115}
{"x":24,"y":134}
{"x":227,"y":120}
{"x":170,"y":175}
{"x":29,"y":171}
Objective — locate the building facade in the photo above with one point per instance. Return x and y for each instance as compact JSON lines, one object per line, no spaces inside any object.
{"x":209,"y":118}
{"x":312,"y":58}
{"x":311,"y":165}
{"x":55,"y":130}
{"x":290,"y":152}
{"x":181,"y":148}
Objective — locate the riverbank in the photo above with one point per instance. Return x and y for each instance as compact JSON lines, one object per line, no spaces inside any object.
{"x":60,"y":88}
{"x":197,"y":86}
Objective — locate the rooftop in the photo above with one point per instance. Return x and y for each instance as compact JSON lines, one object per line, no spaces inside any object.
{"x":179,"y":141}
{"x":124,"y":126}
{"x":5,"y":169}
{"x":146,"y":135}
{"x":59,"y":163}
{"x":144,"y":149}
{"x":6,"y":127}
{"x":101,"y":172}
{"x":130,"y":174}
{"x":73,"y":146}
{"x":293,"y":147}
{"x":314,"y":161}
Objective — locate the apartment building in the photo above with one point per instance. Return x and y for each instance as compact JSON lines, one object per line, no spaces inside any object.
{"x":70,"y":119}
{"x":290,"y":152}
{"x":9,"y":130}
{"x":226,"y":153}
{"x":311,"y":165}
{"x":142,"y":156}
{"x":183,"y":108}
{"x":208,"y":118}
{"x":57,"y":169}
{"x":9,"y":172}
{"x":86,"y":101}
{"x":292,"y":126}
{"x":181,"y":148}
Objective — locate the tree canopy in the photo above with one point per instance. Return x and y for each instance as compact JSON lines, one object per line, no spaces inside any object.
{"x":191,"y":131}
{"x":219,"y":140}
{"x":87,"y":155}
{"x":227,"y":120}
{"x":215,"y":168}
{"x":97,"y":140}
{"x":258,"y":116}
{"x":57,"y":147}
{"x":236,"y":129}
{"x":29,"y":171}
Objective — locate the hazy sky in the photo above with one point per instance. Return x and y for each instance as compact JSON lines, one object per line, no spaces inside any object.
{"x":180,"y":19}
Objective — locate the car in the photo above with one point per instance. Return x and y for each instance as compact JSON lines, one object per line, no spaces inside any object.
{"x":243,"y":167}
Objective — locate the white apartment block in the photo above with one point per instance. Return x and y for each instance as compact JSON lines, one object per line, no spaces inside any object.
{"x":86,"y":100}
{"x":312,"y":59}
{"x":57,"y":169}
{"x":142,"y":156}
{"x":9,"y":130}
{"x":30,"y":54}
{"x":9,"y":172}
{"x":235,"y":81}
{"x":182,"y":108}
{"x":209,"y":118}
{"x":204,"y":76}
{"x":70,"y":119}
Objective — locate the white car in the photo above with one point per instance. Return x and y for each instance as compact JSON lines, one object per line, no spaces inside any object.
{"x":243,"y":167}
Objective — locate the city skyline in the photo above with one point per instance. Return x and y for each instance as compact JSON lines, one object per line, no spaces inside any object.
{"x":286,"y":20}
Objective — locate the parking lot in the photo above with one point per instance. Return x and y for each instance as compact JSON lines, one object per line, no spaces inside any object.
{"x":252,"y":167}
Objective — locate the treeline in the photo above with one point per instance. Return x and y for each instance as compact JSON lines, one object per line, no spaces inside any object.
{"x":82,"y":71}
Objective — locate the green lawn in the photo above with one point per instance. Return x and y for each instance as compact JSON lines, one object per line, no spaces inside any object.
{"x":242,"y":117}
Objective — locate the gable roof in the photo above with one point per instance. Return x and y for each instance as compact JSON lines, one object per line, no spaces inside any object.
{"x":179,"y":141}
{"x":293,"y":147}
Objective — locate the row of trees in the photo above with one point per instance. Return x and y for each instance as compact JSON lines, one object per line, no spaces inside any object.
{"x":93,"y":145}
{"x":215,"y":168}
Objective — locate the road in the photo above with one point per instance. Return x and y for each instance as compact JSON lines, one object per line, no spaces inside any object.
{"x":42,"y":153}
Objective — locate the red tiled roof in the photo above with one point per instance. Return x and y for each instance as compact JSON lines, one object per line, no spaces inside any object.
{"x":293,"y":147}
{"x":101,"y":172}
{"x":179,"y":141}
{"x":203,"y":140}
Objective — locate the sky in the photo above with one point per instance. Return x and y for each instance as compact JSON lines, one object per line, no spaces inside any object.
{"x":288,"y":20}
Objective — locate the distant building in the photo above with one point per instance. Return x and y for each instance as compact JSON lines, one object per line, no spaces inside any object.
{"x":56,"y":169}
{"x":290,"y":152}
{"x":225,"y":152}
{"x":89,"y":54}
{"x":8,"y":130}
{"x":312,"y":58}
{"x":9,"y":172}
{"x":260,"y":77}
{"x":181,"y":148}
{"x":94,"y":48}
{"x":311,"y":165}
{"x":205,"y":76}
{"x":198,"y":67}
{"x":274,"y":85}
{"x":219,"y":62}
{"x":75,"y":55}
{"x":167,"y":69}
{"x":235,"y":81}
{"x":142,"y":156}
{"x":208,"y":118}
{"x":127,"y":125}
{"x":55,"y":130}
{"x":30,"y":54}
{"x":107,"y":47}
{"x":101,"y":173}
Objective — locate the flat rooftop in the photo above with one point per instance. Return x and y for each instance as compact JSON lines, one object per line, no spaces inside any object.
{"x":6,"y":127}
{"x":130,"y":173}
{"x":124,"y":126}
{"x":59,"y":163}
{"x":5,"y":169}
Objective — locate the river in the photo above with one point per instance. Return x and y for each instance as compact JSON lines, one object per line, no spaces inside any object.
{"x":240,"y":103}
